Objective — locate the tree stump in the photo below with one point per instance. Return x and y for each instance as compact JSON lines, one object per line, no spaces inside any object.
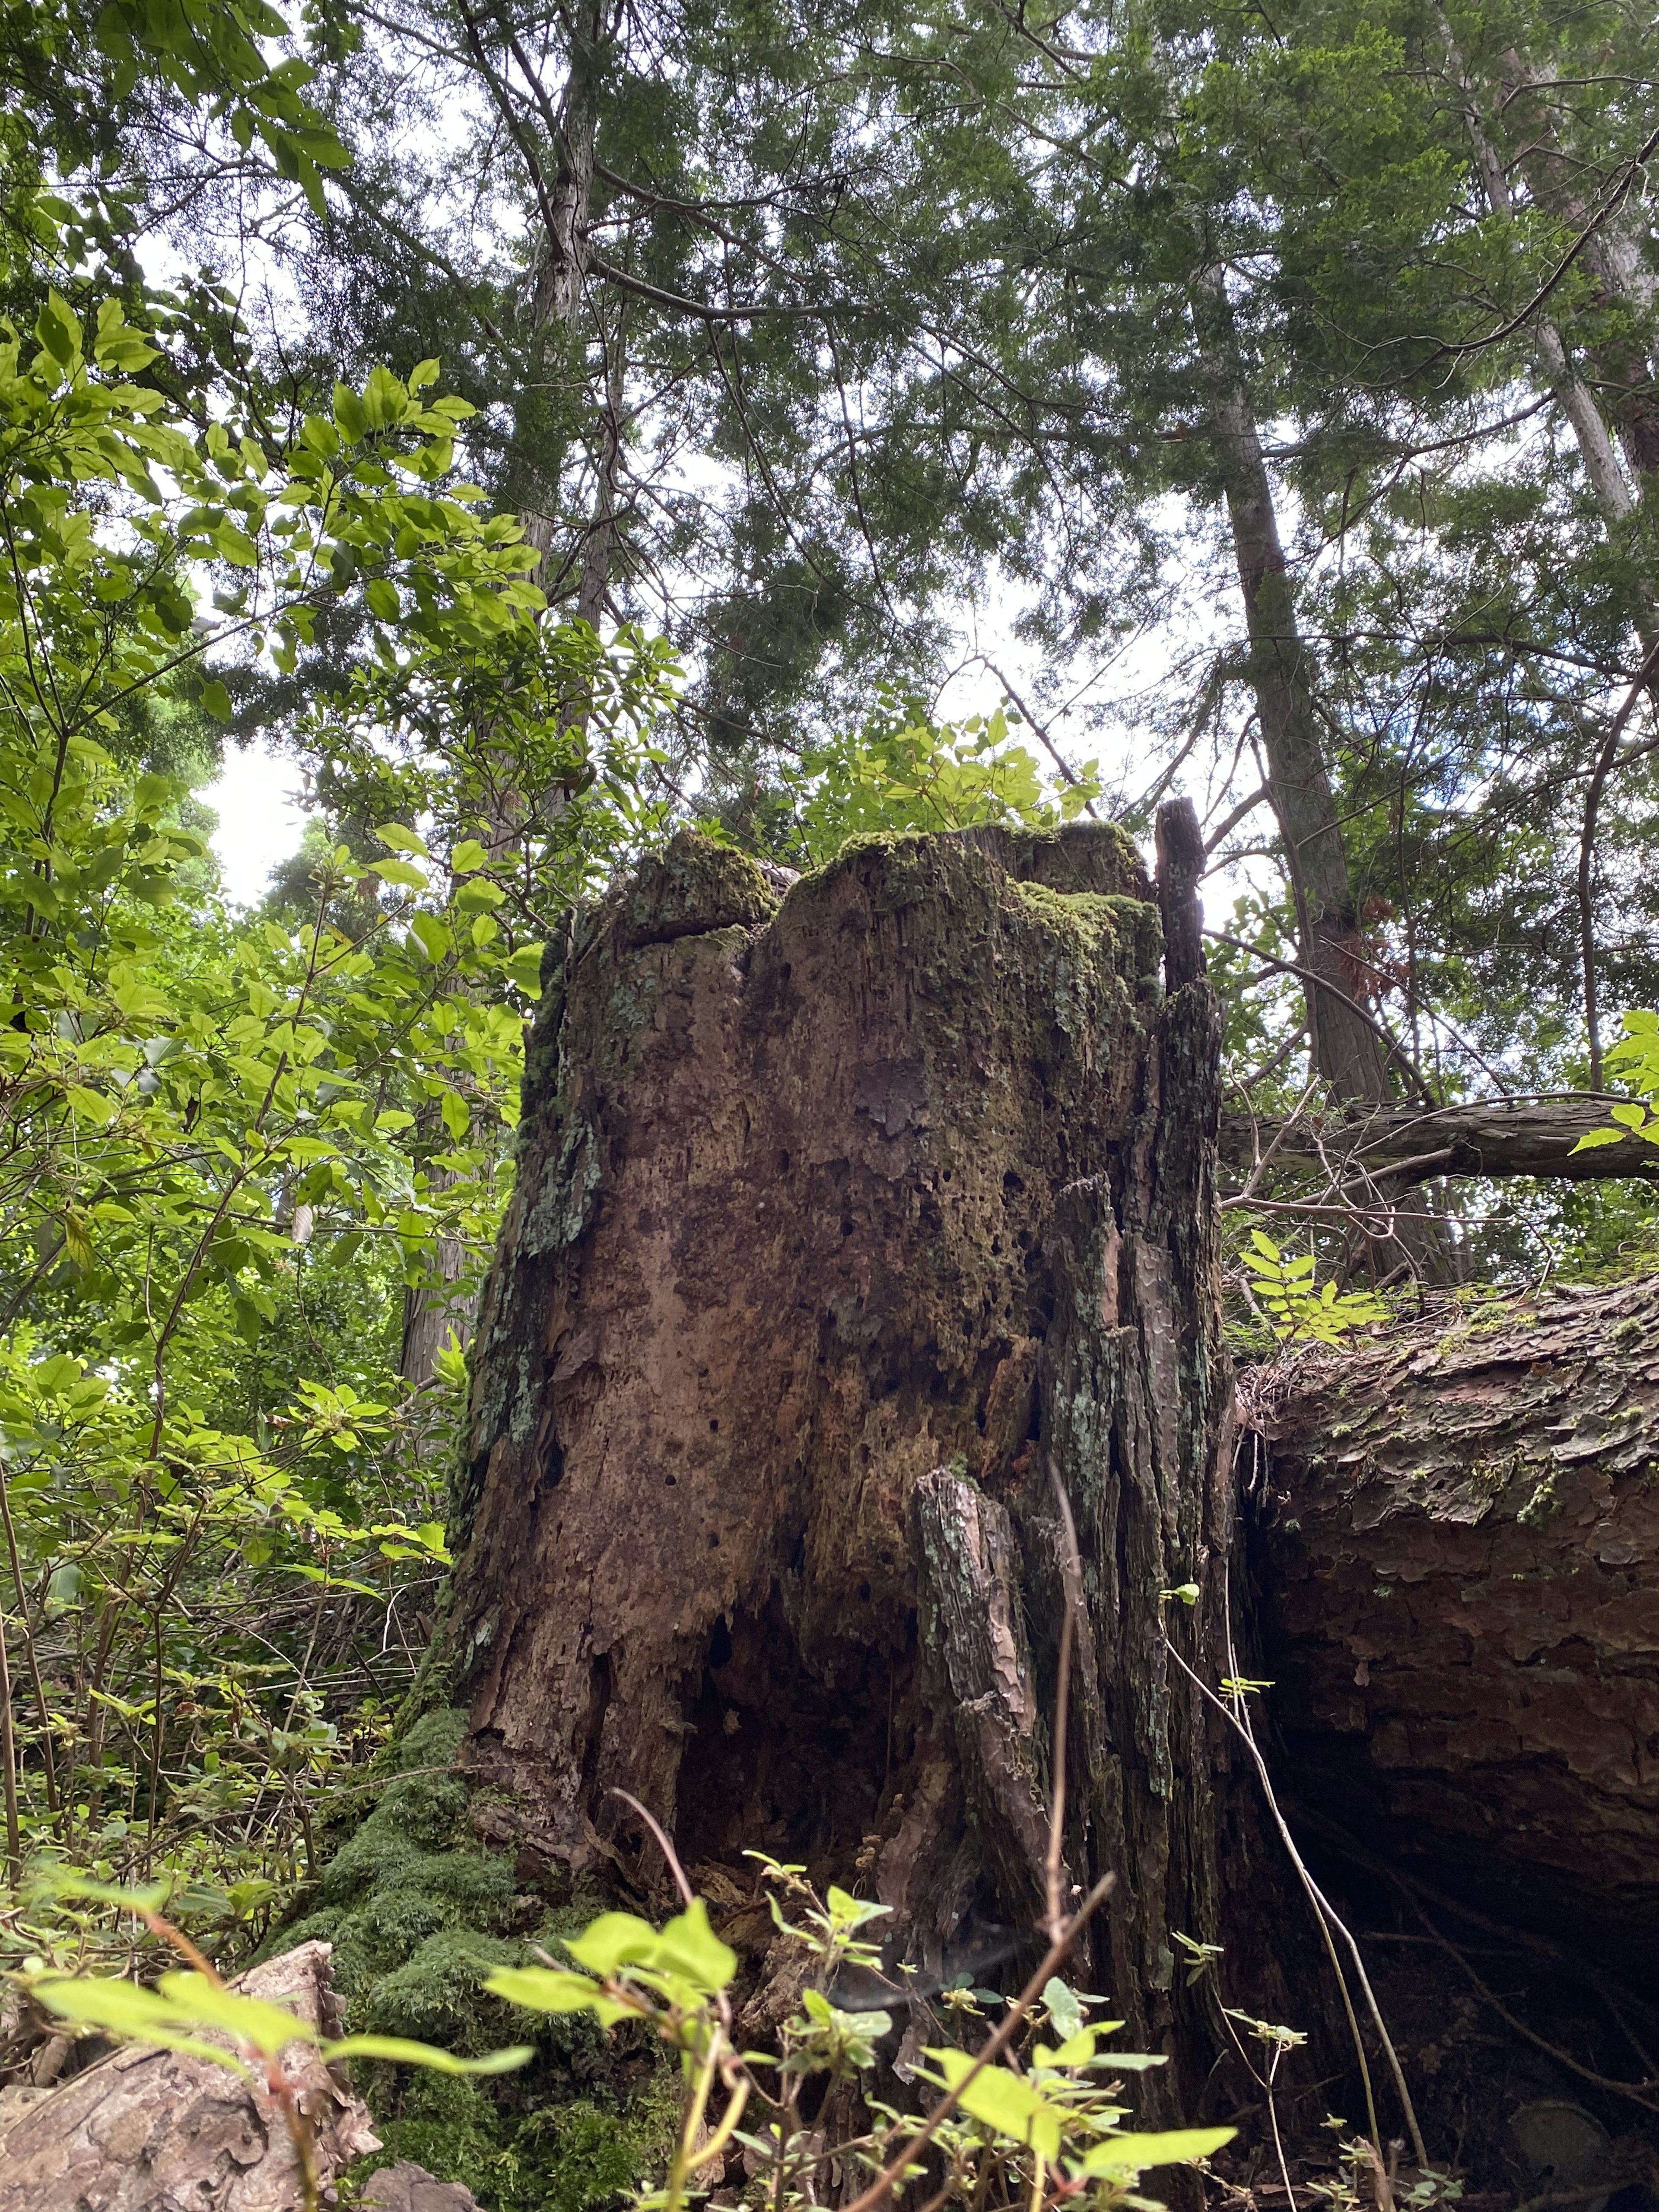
{"x":847,"y":1221}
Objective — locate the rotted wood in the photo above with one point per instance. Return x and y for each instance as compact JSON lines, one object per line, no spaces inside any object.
{"x":146,"y":2130}
{"x":1458,"y":1556}
{"x":840,"y":1214}
{"x":1401,"y":1147}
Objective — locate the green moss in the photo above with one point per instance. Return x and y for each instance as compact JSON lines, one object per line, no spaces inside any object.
{"x":691,"y":886}
{"x":566,"y":2158}
{"x":418,"y":1910}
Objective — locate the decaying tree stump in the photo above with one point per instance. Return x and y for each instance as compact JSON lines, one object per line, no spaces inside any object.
{"x":148,"y":2130}
{"x":846,"y":1211}
{"x":1460,"y":1567}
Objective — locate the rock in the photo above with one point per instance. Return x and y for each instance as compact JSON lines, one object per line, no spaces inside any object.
{"x":406,"y":2187}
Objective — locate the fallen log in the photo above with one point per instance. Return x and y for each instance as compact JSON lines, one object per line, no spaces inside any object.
{"x":147,"y":2130}
{"x":1457,"y":1547}
{"x":1397,"y":1147}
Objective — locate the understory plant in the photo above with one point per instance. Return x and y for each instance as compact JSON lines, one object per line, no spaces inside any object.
{"x":1027,"y":2113}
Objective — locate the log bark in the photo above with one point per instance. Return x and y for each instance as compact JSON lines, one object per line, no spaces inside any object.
{"x":148,"y":2130}
{"x":1401,"y":1147}
{"x":842,"y":1220}
{"x":1458,"y":1558}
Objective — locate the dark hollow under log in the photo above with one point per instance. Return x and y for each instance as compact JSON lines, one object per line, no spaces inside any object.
{"x":847,"y":1222}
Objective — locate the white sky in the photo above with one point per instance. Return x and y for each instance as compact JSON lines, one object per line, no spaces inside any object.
{"x":260,"y":819}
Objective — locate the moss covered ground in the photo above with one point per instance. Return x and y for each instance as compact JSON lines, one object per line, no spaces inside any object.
{"x":419,"y":1909}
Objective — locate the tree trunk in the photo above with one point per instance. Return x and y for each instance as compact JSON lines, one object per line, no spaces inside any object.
{"x":1460,"y":1562}
{"x":1346,"y":1049}
{"x":847,"y":1227}
{"x":1577,"y":402}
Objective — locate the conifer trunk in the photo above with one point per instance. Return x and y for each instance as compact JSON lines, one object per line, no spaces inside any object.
{"x":849,"y":1223}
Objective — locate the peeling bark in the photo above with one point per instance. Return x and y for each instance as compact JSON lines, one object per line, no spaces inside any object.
{"x":838,"y":1217}
{"x":1461,"y":1574}
{"x":148,"y":2130}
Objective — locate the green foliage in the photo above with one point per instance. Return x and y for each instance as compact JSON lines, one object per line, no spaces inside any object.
{"x":1017,"y":2117}
{"x":902,"y":771}
{"x":1636,"y":1057}
{"x":1298,"y":1310}
{"x":214,"y":1128}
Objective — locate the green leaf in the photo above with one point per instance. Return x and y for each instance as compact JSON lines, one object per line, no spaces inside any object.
{"x":402,"y":872}
{"x":60,"y":1882}
{"x":546,"y":1988}
{"x":1002,"y":2100}
{"x":90,"y":1106}
{"x":689,"y":1946}
{"x":524,"y":969}
{"x":402,"y":2052}
{"x":58,"y":329}
{"x":467,"y":855}
{"x":383,"y":600}
{"x":217,"y":700}
{"x":615,"y":1940}
{"x":196,"y":2002}
{"x":350,"y":413}
{"x":1593,"y":1139}
{"x":1129,"y":2155}
{"x":1075,"y":2051}
{"x":432,"y":936}
{"x":235,"y":545}
{"x":457,"y":1114}
{"x":122,"y":2009}
{"x":1062,"y":2006}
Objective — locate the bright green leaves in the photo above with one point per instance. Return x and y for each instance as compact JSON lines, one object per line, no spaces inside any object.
{"x":902,"y":771}
{"x":209,"y":52}
{"x":685,"y":1962}
{"x":1055,"y":2110}
{"x":1299,"y":1310}
{"x":633,"y":1970}
{"x":1004,"y":2101}
{"x":1123,"y":2157}
{"x":118,"y":346}
{"x":1636,"y":1054}
{"x":1015,"y":2129}
{"x":546,"y":1988}
{"x":401,"y":2050}
{"x":185,"y":2009}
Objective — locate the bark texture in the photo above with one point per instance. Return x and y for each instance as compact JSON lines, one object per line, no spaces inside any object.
{"x":841,"y":1220}
{"x":1337,"y":971}
{"x":1399,"y":1146}
{"x":1461,"y":1572}
{"x":149,"y":2130}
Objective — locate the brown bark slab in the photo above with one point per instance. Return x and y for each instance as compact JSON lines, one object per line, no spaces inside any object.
{"x":148,"y":2130}
{"x":1461,"y":1588}
{"x":839,"y":1217}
